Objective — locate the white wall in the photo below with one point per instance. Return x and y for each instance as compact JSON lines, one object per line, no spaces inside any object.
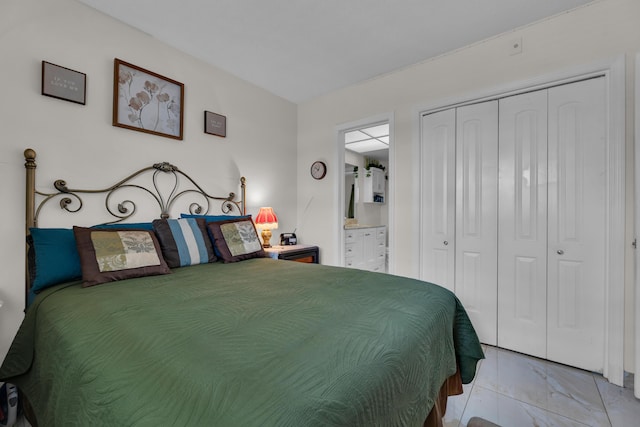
{"x":78,"y":143}
{"x":602,"y":30}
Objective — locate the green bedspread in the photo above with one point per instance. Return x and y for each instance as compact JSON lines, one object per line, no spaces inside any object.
{"x":256,"y":343}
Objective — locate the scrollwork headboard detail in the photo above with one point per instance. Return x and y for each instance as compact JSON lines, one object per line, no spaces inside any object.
{"x":182,"y":185}
{"x":70,"y":200}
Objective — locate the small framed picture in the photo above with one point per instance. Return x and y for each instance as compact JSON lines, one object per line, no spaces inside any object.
{"x":146,"y":101}
{"x":215,"y":124}
{"x":64,"y":83}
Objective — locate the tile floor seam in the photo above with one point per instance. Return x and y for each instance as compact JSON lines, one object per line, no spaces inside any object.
{"x":466,"y":402}
{"x":604,"y":404}
{"x":473,"y":383}
{"x":536,"y":406}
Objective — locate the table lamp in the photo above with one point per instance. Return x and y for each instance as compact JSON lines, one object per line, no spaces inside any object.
{"x":266,"y":220}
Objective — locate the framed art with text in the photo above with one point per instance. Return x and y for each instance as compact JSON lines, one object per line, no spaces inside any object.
{"x":215,"y":124}
{"x":146,"y":101}
{"x":64,"y":83}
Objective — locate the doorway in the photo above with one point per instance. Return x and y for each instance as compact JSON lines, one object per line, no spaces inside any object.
{"x":365,"y":194}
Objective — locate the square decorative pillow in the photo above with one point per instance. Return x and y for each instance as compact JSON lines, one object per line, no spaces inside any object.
{"x":236,"y":239}
{"x":107,"y":255}
{"x":184,"y":241}
{"x":215,"y":218}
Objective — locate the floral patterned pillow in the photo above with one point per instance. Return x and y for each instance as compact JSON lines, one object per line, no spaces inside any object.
{"x":117,"y":254}
{"x":236,"y":239}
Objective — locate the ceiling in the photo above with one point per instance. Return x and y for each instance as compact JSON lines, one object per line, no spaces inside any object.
{"x":370,"y":140}
{"x":302,"y":49}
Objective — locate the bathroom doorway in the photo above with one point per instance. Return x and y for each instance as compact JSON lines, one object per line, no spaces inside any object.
{"x":366,"y":194}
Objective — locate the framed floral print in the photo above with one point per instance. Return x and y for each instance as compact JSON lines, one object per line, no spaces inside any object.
{"x":146,"y":101}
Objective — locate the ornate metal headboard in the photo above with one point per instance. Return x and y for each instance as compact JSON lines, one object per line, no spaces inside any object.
{"x":70,"y":200}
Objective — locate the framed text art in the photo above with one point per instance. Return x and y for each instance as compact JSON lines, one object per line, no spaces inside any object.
{"x":146,"y":101}
{"x":215,"y":124}
{"x":64,"y":83}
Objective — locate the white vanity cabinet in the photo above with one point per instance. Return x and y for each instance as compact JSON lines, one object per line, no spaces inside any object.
{"x":365,"y":248}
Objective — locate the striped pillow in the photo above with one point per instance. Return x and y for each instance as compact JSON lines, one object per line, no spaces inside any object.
{"x":184,"y":241}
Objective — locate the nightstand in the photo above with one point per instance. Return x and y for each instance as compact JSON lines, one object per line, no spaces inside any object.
{"x":299,"y":253}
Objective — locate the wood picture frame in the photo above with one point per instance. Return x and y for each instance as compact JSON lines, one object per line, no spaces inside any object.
{"x":215,"y":124}
{"x":64,"y":83}
{"x":146,"y":101}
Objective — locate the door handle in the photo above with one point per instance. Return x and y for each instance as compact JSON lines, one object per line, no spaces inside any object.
{"x":560,"y":252}
{"x":445,"y":243}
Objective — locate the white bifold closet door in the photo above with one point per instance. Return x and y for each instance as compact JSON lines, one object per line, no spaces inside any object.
{"x":514,"y":218}
{"x":577,"y":224}
{"x":522,"y":237}
{"x":438,"y":198}
{"x":476,"y":252}
{"x":551,"y":281}
{"x":459,"y":205}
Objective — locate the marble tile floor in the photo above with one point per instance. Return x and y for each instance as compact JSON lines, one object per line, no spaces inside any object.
{"x":515,"y":390}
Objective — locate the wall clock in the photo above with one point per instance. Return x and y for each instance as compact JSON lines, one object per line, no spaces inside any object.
{"x":318,"y":169}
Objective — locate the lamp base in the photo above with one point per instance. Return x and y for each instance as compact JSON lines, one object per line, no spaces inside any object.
{"x":266,"y":238}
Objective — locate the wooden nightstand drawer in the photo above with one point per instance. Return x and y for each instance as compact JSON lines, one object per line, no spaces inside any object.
{"x":299,"y":253}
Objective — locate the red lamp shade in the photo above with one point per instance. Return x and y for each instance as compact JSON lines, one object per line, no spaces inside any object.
{"x":266,"y":218}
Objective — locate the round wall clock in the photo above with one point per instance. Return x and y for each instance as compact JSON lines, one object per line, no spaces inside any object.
{"x":318,"y":169}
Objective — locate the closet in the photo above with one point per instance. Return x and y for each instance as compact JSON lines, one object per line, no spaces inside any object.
{"x":514,"y":218}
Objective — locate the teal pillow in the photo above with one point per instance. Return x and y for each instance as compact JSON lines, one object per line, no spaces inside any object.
{"x":214,"y":218}
{"x":53,"y":257}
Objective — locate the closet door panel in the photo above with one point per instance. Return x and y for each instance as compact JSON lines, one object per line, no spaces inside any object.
{"x":522,"y":237}
{"x":476,"y":215}
{"x":438,"y":198}
{"x":577,"y":224}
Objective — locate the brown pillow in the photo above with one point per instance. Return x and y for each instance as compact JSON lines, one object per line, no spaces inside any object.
{"x":236,"y":239}
{"x":116,"y":254}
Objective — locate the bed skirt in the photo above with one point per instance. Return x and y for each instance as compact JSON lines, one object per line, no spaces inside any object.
{"x":451,"y":387}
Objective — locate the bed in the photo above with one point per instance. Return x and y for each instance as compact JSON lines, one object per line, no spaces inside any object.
{"x":243,"y":341}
